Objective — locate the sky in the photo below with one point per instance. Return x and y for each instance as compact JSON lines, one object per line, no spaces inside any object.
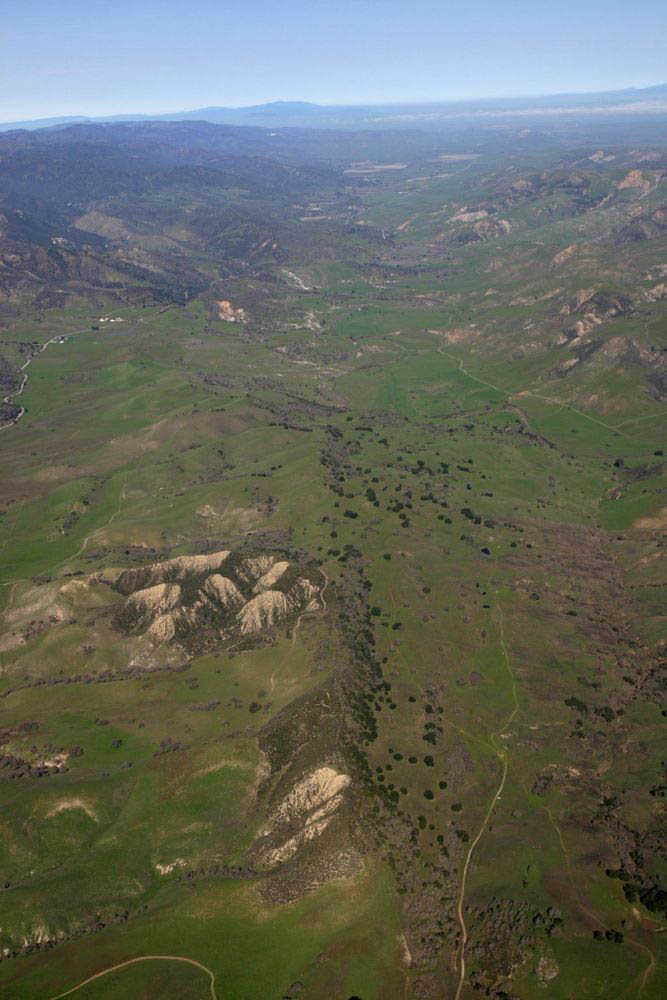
{"x":97,"y":57}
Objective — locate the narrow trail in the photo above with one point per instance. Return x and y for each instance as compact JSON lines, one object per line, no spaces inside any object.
{"x":637,"y":420}
{"x":144,"y":958}
{"x":490,"y":385}
{"x":584,"y":909}
{"x":63,"y":562}
{"x":96,"y":531}
{"x":502,"y":756}
{"x":501,"y":753}
{"x":272,"y":678}
{"x":559,"y":402}
{"x":535,"y":395}
{"x":326,"y":584}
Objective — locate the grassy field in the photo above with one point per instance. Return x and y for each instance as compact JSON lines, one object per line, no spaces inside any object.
{"x":482,"y":666}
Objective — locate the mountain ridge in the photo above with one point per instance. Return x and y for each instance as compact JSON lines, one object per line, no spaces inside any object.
{"x":273,"y":112}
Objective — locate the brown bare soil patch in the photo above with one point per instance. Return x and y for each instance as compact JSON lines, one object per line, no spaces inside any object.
{"x":635,"y":179}
{"x":656,"y":522}
{"x":227,"y":312}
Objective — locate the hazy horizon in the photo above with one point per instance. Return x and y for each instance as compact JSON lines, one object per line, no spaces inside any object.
{"x":398,"y":103}
{"x":90,"y":59}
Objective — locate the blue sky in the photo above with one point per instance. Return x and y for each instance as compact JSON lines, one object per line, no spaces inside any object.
{"x":60,"y":57}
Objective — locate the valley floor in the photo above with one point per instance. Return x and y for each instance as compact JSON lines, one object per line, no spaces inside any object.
{"x":331,"y":619}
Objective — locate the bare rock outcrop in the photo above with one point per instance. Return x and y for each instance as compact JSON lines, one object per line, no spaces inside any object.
{"x":188,"y":600}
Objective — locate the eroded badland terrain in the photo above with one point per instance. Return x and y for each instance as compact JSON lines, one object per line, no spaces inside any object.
{"x":331,"y":519}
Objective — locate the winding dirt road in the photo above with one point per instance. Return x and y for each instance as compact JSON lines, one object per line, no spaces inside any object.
{"x":535,"y":395}
{"x":143,"y":958}
{"x":19,"y":392}
{"x":326,"y":584}
{"x":58,"y":339}
{"x":502,"y":756}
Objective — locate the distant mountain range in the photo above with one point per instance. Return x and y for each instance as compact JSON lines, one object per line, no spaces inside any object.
{"x":302,"y":114}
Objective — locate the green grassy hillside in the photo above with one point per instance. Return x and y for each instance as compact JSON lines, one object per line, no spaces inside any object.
{"x":435,"y":771}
